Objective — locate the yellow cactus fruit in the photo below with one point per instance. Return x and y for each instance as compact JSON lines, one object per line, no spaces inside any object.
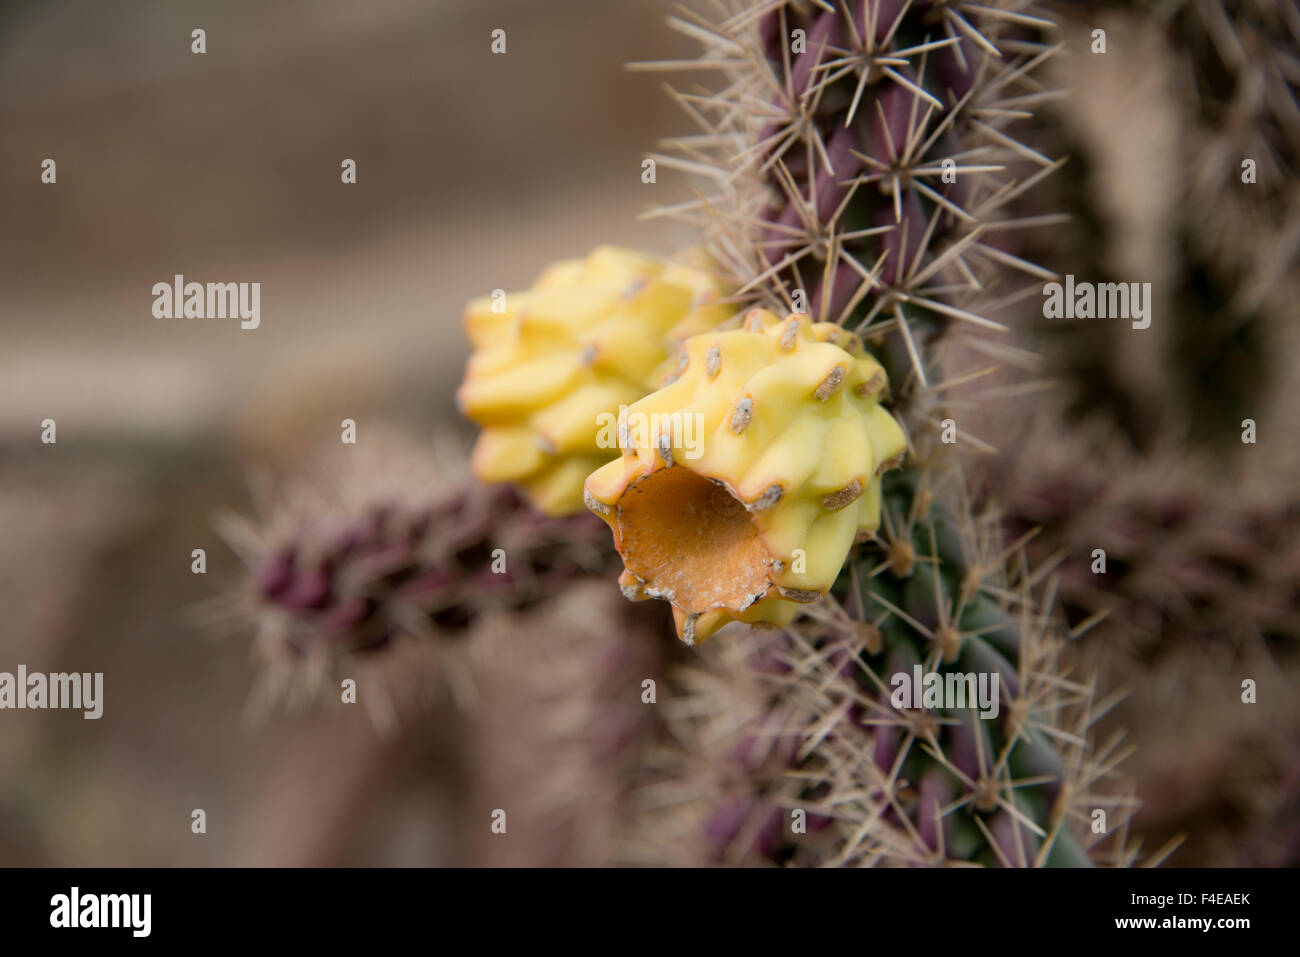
{"x":744,"y":481}
{"x":553,"y":366}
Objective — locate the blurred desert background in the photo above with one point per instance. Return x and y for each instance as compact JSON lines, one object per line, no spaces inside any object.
{"x":474,"y":171}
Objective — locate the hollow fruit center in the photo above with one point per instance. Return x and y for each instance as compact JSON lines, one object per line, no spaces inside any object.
{"x":692,"y":542}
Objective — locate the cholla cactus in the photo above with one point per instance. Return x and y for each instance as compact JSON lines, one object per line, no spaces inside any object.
{"x":1238,"y":281}
{"x":843,"y":117}
{"x":562,"y":725}
{"x":1181,"y":556}
{"x":876,"y":160}
{"x":1214,"y":83}
{"x":412,"y":568}
{"x":396,"y":551}
{"x":553,"y":365}
{"x":1241,"y":79}
{"x":746,"y":480}
{"x":811,"y":757}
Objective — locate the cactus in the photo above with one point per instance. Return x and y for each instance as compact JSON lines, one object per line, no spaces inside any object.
{"x":552,"y":363}
{"x":880,"y":101}
{"x":418,"y":582}
{"x":337,"y":575}
{"x":839,"y":197}
{"x":1198,"y":528}
{"x":806,"y":720}
{"x":1221,"y":252}
{"x":834,"y":196}
{"x":1237,"y":276}
{"x":1241,"y":84}
{"x":1183,"y":556}
{"x":561,"y":725}
{"x":751,"y":474}
{"x":877,"y":156}
{"x":1016,"y":788}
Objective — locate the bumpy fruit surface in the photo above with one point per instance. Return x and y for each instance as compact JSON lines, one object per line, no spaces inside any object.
{"x":551,"y":364}
{"x":745,"y":481}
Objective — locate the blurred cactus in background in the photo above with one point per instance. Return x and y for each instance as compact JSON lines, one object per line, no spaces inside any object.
{"x":567,"y":710}
{"x":398,"y":551}
{"x":1166,"y":449}
{"x":1183,"y":554}
{"x":1219,"y":239}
